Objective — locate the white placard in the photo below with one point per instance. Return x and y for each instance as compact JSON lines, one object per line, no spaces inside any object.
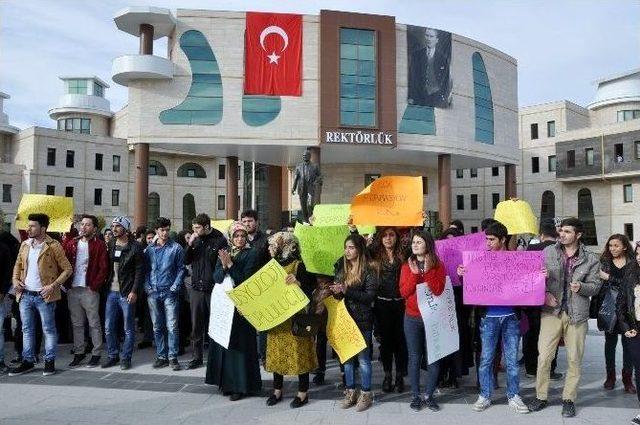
{"x":221,"y":312}
{"x":440,"y":321}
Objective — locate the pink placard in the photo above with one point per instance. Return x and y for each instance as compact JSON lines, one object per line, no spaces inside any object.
{"x":509,"y":278}
{"x":450,"y":252}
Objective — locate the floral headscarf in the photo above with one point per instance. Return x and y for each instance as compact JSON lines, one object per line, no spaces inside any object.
{"x":235,"y":227}
{"x":287,"y":247}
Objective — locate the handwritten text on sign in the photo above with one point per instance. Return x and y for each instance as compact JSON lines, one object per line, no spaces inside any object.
{"x":342,"y":332}
{"x":389,"y":201}
{"x":221,"y":313}
{"x":509,"y":278}
{"x":450,"y":252}
{"x":265,"y":299}
{"x":440,"y":321}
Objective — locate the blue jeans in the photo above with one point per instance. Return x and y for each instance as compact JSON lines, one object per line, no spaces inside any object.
{"x":3,"y":313}
{"x":163,"y":306}
{"x":364,"y":358}
{"x":491,"y":329}
{"x":29,"y":304}
{"x":117,"y":304}
{"x":417,"y":350}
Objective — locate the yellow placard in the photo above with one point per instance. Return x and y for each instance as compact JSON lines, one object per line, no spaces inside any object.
{"x":336,"y":215}
{"x":321,"y":247}
{"x":222,"y":225}
{"x":58,"y":208}
{"x":517,"y":216}
{"x":389,"y":201}
{"x":265,"y":299}
{"x":342,"y":332}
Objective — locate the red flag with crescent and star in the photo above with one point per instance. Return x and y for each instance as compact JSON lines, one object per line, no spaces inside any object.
{"x":273,"y":54}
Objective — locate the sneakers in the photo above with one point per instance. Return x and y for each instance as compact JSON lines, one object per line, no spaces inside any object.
{"x":125,"y":364}
{"x":568,"y":409}
{"x":77,"y":359}
{"x":194,"y":364}
{"x":518,"y":405}
{"x":109,"y":363}
{"x":350,"y":398}
{"x":431,"y":404}
{"x":536,"y":405}
{"x":481,"y":404}
{"x":3,"y":368}
{"x":636,"y":420}
{"x":416,"y":404}
{"x":22,"y":368}
{"x":94,"y":361}
{"x":364,"y":401}
{"x":159,"y":363}
{"x":49,"y":368}
{"x":174,"y":364}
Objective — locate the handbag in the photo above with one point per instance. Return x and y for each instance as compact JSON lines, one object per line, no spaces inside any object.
{"x":607,"y":316}
{"x":305,"y":323}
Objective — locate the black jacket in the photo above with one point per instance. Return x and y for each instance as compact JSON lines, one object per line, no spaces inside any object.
{"x":625,"y":303}
{"x":203,"y":256}
{"x":131,"y":267}
{"x":9,"y":247}
{"x":260,"y":244}
{"x":359,"y":298}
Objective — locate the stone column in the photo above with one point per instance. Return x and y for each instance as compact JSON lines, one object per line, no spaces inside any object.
{"x":232,"y":187}
{"x":510,"y":187}
{"x":141,"y":173}
{"x":146,"y":39}
{"x":444,"y":189}
{"x":274,"y":198}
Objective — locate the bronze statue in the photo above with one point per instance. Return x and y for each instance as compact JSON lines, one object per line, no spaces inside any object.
{"x":307,"y":182}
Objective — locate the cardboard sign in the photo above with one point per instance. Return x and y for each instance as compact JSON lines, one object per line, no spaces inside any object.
{"x":342,"y":332}
{"x":58,"y":208}
{"x":321,"y":247}
{"x":517,"y":216}
{"x":389,"y":201}
{"x":440,"y":321}
{"x":450,"y":252}
{"x":221,"y":312}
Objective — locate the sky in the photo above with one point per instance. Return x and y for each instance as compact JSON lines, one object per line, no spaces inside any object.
{"x":562,"y":46}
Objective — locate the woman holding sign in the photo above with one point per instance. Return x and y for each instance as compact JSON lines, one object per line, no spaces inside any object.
{"x":356,"y":282}
{"x":289,"y":354}
{"x":423,"y":266}
{"x":235,"y":370}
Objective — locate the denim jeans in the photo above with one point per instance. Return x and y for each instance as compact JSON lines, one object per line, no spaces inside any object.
{"x":116,"y":303}
{"x":364,"y":359}
{"x":491,"y":329}
{"x":163,"y":306}
{"x":29,"y":304}
{"x":417,"y":349}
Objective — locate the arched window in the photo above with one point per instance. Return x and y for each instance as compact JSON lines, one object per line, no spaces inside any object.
{"x":482,"y":100}
{"x":156,"y":168}
{"x":153,"y":208}
{"x":191,"y":169}
{"x":188,"y":210}
{"x":585,"y":214}
{"x":548,"y":207}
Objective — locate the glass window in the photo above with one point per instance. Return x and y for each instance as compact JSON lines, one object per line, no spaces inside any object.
{"x":115,"y":197}
{"x":116,"y":163}
{"x":534,"y":131}
{"x":61,"y":125}
{"x":221,"y":203}
{"x":98,"y":90}
{"x":51,"y":156}
{"x":77,"y":86}
{"x":495,"y":171}
{"x":637,"y":146}
{"x":585,"y":214}
{"x":474,"y":202}
{"x":548,"y":205}
{"x":628,"y":230}
{"x":495,"y":200}
{"x":571,"y":159}
{"x":482,"y":100}
{"x":68,"y":191}
{"x":98,"y":162}
{"x":85,"y":126}
{"x":222,"y":172}
{"x":192,"y":169}
{"x":551,"y":163}
{"x":51,"y":189}
{"x":459,"y":173}
{"x":70,"y":159}
{"x":588,"y":156}
{"x":629,"y":114}
{"x":68,"y":124}
{"x":153,"y":207}
{"x":357,"y":77}
{"x":156,"y":168}
{"x":188,"y":210}
{"x":473,"y":172}
{"x":6,"y":193}
{"x":460,"y":202}
{"x":535,"y":164}
{"x":628,"y":193}
{"x":97,"y":197}
{"x":551,"y":129}
{"x":618,"y":152}
{"x":76,"y":125}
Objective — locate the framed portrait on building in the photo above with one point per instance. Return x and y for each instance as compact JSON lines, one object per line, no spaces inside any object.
{"x":429,"y":60}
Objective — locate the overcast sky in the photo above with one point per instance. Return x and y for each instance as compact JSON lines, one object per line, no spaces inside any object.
{"x":561,"y":46}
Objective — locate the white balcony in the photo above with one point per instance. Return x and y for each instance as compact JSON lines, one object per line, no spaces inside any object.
{"x":140,"y":67}
{"x":81,"y":103}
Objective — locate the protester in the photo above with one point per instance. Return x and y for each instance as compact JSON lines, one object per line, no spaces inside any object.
{"x":143,"y":314}
{"x":108,"y":235}
{"x":126,"y":278}
{"x":572,"y":277}
{"x":88,"y":256}
{"x":356,"y":283}
{"x":618,"y":266}
{"x":386,"y":253}
{"x":8,"y":255}
{"x":457,"y":224}
{"x":40,"y":271}
{"x":202,"y":255}
{"x":165,"y":265}
{"x":236,"y":370}
{"x":288,"y":354}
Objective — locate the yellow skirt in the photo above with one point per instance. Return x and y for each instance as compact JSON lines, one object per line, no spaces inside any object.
{"x":288,"y":354}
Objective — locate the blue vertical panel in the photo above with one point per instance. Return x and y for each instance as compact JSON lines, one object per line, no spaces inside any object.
{"x":260,"y":110}
{"x":483,"y":101}
{"x":418,"y":120}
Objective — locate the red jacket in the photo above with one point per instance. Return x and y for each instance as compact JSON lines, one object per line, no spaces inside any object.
{"x":435,"y":278}
{"x":98,"y":267}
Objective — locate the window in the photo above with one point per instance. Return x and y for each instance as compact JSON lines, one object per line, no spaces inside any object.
{"x":460,"y":202}
{"x":585,"y":214}
{"x":534,"y":131}
{"x":115,"y":197}
{"x":588,"y":156}
{"x":98,"y":90}
{"x":474,"y":202}
{"x":70,"y":158}
{"x":116,"y":163}
{"x":369,"y":178}
{"x":61,"y":125}
{"x":51,"y":189}
{"x":459,"y":173}
{"x":85,"y":126}
{"x":495,"y":200}
{"x":425,"y":185}
{"x":548,"y":205}
{"x":627,"y":115}
{"x":357,"y":77}
{"x":551,"y":129}
{"x":473,"y":172}
{"x":627,"y":193}
{"x":535,"y":164}
{"x":571,"y":159}
{"x":239,"y":171}
{"x":99,"y":161}
{"x":637,"y":146}
{"x":618,"y":152}
{"x":551,"y":163}
{"x":221,"y":203}
{"x":6,"y":193}
{"x":77,"y":86}
{"x":68,"y":191}
{"x":482,"y":100}
{"x":192,"y":169}
{"x":153,"y":207}
{"x":628,"y":230}
{"x":222,"y":171}
{"x":495,"y":171}
{"x":474,"y":229}
{"x":156,"y":169}
{"x":97,"y":197}
{"x":188,"y":210}
{"x":51,"y":156}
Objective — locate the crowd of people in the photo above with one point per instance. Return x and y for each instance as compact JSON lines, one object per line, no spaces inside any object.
{"x":118,"y":281}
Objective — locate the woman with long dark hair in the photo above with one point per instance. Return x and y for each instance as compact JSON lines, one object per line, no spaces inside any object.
{"x":618,"y":266}
{"x":423,"y":266}
{"x":356,"y":282}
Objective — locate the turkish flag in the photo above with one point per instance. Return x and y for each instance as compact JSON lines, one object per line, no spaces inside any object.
{"x":273,"y":54}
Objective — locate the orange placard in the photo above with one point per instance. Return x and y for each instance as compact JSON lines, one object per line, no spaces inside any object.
{"x":389,"y":201}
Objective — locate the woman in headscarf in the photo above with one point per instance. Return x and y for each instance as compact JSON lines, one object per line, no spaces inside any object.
{"x":288,"y":354}
{"x":235,"y":370}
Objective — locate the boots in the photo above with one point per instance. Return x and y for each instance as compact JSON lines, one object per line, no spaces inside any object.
{"x":627,"y":381}
{"x":610,"y":382}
